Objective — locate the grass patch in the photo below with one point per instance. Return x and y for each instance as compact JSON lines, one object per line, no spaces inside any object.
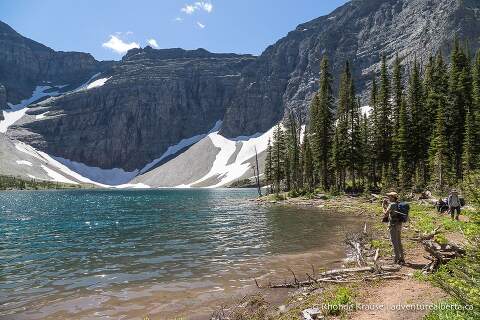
{"x":338,"y":301}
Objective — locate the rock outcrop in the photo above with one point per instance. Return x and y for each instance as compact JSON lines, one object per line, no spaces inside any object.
{"x":25,"y":64}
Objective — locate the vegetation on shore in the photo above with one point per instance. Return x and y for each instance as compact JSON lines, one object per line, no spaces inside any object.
{"x":16,"y":183}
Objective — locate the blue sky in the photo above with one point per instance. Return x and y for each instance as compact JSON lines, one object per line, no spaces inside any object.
{"x":106,"y":28}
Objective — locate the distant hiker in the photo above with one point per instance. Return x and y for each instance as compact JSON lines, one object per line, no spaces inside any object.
{"x":393,"y":215}
{"x":454,"y":204}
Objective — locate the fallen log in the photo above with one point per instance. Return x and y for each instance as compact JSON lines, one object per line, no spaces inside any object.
{"x":342,"y":276}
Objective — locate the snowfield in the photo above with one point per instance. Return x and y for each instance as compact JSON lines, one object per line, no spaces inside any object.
{"x":16,"y":112}
{"x":224,"y":169}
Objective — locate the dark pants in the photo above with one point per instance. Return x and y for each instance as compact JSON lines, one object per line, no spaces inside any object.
{"x":453,"y":210}
{"x":396,"y":237}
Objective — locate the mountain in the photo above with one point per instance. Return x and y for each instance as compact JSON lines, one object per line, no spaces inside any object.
{"x":150,"y":100}
{"x":286,"y":75}
{"x":174,"y":117}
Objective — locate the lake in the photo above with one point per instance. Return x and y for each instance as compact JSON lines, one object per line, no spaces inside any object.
{"x":123,"y":254}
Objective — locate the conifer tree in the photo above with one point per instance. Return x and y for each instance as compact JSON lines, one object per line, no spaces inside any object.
{"x":341,"y":146}
{"x":475,"y":110}
{"x":397,"y":101}
{"x":384,"y":124}
{"x":375,"y":134}
{"x":365,"y":146}
{"x":293,"y":152}
{"x":321,"y":126}
{"x":459,"y":102}
{"x":419,"y":125}
{"x":269,"y":166}
{"x":403,"y":151}
{"x":440,"y":162}
{"x":469,"y":161}
{"x":307,"y":162}
{"x":278,"y":158}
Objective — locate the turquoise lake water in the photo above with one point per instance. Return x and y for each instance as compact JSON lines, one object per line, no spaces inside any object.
{"x":101,"y":254}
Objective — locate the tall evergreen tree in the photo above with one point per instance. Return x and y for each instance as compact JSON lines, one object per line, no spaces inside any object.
{"x":475,"y":110}
{"x":419,"y":125}
{"x":385,"y":124}
{"x":307,"y":164}
{"x":459,"y":103}
{"x":375,"y":166}
{"x":278,"y":158}
{"x":269,"y":166}
{"x":341,"y":146}
{"x":403,"y":151}
{"x":321,"y":126}
{"x":293,"y":152}
{"x":440,"y":162}
{"x":397,"y":101}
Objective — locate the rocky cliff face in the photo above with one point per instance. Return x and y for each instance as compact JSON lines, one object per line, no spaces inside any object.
{"x":285,"y":76}
{"x":25,"y":63}
{"x":151,"y":100}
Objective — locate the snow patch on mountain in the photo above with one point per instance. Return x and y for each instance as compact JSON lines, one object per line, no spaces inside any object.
{"x":24,"y":162}
{"x":184,"y":143}
{"x":224,"y":169}
{"x":97,"y":83}
{"x":16,"y":112}
{"x":109,"y":177}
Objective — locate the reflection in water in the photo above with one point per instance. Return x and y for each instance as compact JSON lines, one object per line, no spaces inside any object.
{"x":121,"y":254}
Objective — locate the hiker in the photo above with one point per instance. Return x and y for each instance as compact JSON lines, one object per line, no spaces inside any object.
{"x":392,"y":215}
{"x":454,"y":204}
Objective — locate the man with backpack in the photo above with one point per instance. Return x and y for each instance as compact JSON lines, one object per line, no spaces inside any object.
{"x":395,"y":214}
{"x":454,"y":204}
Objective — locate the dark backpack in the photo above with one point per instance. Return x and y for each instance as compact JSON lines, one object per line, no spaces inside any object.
{"x":403,"y":209}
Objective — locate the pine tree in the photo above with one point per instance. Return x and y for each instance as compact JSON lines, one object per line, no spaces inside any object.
{"x":278,"y":158}
{"x":307,"y":163}
{"x":356,"y":147}
{"x":460,"y":93}
{"x":403,"y":151}
{"x":419,"y":125}
{"x":440,"y":162}
{"x":293,"y":152}
{"x":321,"y":126}
{"x":397,"y":101}
{"x":376,"y":135}
{"x":341,"y":146}
{"x":385,"y":124}
{"x":475,"y":110}
{"x":469,"y":163}
{"x":365,"y":147}
{"x":269,"y":166}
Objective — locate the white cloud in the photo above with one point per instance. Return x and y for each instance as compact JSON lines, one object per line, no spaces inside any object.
{"x":206,"y":6}
{"x":178,"y":19}
{"x":201,"y":25}
{"x":189,"y":9}
{"x":118,"y":45}
{"x":199,"y":5}
{"x":153,"y":43}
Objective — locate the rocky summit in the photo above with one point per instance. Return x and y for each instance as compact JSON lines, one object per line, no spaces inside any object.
{"x":128,"y":113}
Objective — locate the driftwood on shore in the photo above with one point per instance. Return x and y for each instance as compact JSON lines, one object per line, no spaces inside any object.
{"x":440,"y":253}
{"x":346,"y":275}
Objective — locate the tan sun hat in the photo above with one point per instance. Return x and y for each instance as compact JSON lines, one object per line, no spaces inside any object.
{"x":392,"y":194}
{"x":454,"y":191}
